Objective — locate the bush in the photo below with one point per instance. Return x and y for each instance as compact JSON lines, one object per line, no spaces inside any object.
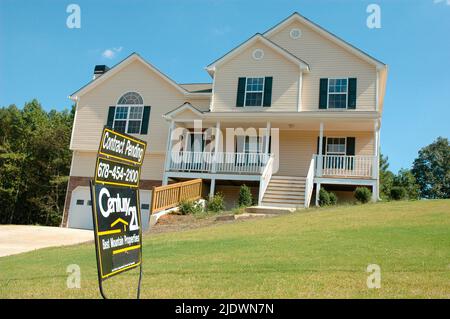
{"x":216,"y":203}
{"x":362,"y":194}
{"x":327,"y":198}
{"x":190,"y":207}
{"x":398,"y":193}
{"x":324,"y":197}
{"x":333,"y":198}
{"x":245,"y":196}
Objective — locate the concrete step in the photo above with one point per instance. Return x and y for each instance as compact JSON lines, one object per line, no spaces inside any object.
{"x":269,"y":210}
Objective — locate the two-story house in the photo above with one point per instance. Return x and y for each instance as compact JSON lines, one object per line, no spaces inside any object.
{"x":288,"y":111}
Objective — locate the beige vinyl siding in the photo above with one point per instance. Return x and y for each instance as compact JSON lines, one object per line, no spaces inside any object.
{"x":285,"y":80}
{"x":200,"y":104}
{"x":327,"y":60}
{"x":83,"y":165}
{"x":92,"y":107}
{"x":298,"y":147}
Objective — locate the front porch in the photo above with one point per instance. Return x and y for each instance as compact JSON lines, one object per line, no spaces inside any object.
{"x":304,"y":152}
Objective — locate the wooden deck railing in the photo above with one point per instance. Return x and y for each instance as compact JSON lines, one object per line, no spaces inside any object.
{"x":169,"y":196}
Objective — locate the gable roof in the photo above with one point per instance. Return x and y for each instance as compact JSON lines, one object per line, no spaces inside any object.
{"x":328,"y":35}
{"x":121,"y":65}
{"x":181,"y":108}
{"x":257,"y":37}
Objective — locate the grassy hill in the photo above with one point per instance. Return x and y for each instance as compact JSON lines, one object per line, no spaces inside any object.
{"x":317,"y":253}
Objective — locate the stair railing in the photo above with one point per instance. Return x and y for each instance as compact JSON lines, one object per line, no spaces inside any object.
{"x":309,"y":182}
{"x":265,"y":178}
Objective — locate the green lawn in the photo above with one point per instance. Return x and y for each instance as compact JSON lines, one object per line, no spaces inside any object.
{"x":317,"y":253}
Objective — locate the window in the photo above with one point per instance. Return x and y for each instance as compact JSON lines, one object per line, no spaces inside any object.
{"x":128,"y":114}
{"x":80,"y":202}
{"x":254,"y":91}
{"x":145,"y":206}
{"x":336,"y":146}
{"x":337,"y":93}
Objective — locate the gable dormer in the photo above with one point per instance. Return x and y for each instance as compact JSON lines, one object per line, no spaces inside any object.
{"x":258,"y":75}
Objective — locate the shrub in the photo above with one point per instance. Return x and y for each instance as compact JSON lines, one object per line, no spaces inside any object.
{"x":216,"y":203}
{"x":324,"y":197}
{"x":362,"y":194}
{"x":333,"y":198}
{"x":398,"y":193}
{"x":245,"y":196}
{"x":189,"y":207}
{"x":327,"y":198}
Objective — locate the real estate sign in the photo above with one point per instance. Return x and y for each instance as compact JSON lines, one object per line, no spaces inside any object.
{"x":115,"y":203}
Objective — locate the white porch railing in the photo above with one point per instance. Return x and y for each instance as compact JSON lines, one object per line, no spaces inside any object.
{"x":222,"y":162}
{"x":309,"y":182}
{"x":346,"y":166}
{"x":265,"y":179}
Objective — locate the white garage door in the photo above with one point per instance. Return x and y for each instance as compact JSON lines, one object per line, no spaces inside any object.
{"x":80,"y":211}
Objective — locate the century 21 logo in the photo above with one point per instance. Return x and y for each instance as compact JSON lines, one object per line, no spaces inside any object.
{"x":118,"y":205}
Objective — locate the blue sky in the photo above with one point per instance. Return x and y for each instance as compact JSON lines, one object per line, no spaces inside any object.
{"x":41,"y":58}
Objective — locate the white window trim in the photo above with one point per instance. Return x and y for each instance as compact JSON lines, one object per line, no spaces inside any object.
{"x":127,"y":120}
{"x":263,"y":87}
{"x":336,"y":153}
{"x":328,"y":94}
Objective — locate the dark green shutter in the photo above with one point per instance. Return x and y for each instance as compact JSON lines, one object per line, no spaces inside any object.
{"x":324,"y":145}
{"x":351,"y":102}
{"x":350,"y":146}
{"x":323,"y":94}
{"x":350,"y":151}
{"x":240,"y":92}
{"x":145,"y":119}
{"x":268,"y":91}
{"x":110,"y":121}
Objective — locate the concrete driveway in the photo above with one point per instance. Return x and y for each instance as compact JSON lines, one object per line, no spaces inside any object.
{"x":16,"y":239}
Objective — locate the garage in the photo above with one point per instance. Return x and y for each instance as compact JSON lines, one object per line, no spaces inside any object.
{"x":80,"y":211}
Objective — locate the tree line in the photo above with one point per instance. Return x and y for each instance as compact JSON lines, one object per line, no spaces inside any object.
{"x":35,"y":164}
{"x":429,"y":177}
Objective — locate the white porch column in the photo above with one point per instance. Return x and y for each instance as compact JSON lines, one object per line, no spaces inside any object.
{"x":319,"y":156}
{"x":299,"y":93}
{"x":212,"y":188}
{"x":216,"y":146}
{"x":266,"y":147}
{"x":375,"y":151}
{"x":317,"y":193}
{"x":168,"y":153}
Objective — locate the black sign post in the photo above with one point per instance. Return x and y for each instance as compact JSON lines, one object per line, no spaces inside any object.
{"x":116,"y":207}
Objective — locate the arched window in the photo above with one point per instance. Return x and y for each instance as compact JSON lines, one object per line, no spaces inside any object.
{"x":128,"y":114}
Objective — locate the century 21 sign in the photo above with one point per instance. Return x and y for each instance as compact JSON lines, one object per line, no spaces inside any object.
{"x":115,"y":203}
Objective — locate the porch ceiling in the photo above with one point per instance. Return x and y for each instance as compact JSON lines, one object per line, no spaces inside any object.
{"x":297,"y":124}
